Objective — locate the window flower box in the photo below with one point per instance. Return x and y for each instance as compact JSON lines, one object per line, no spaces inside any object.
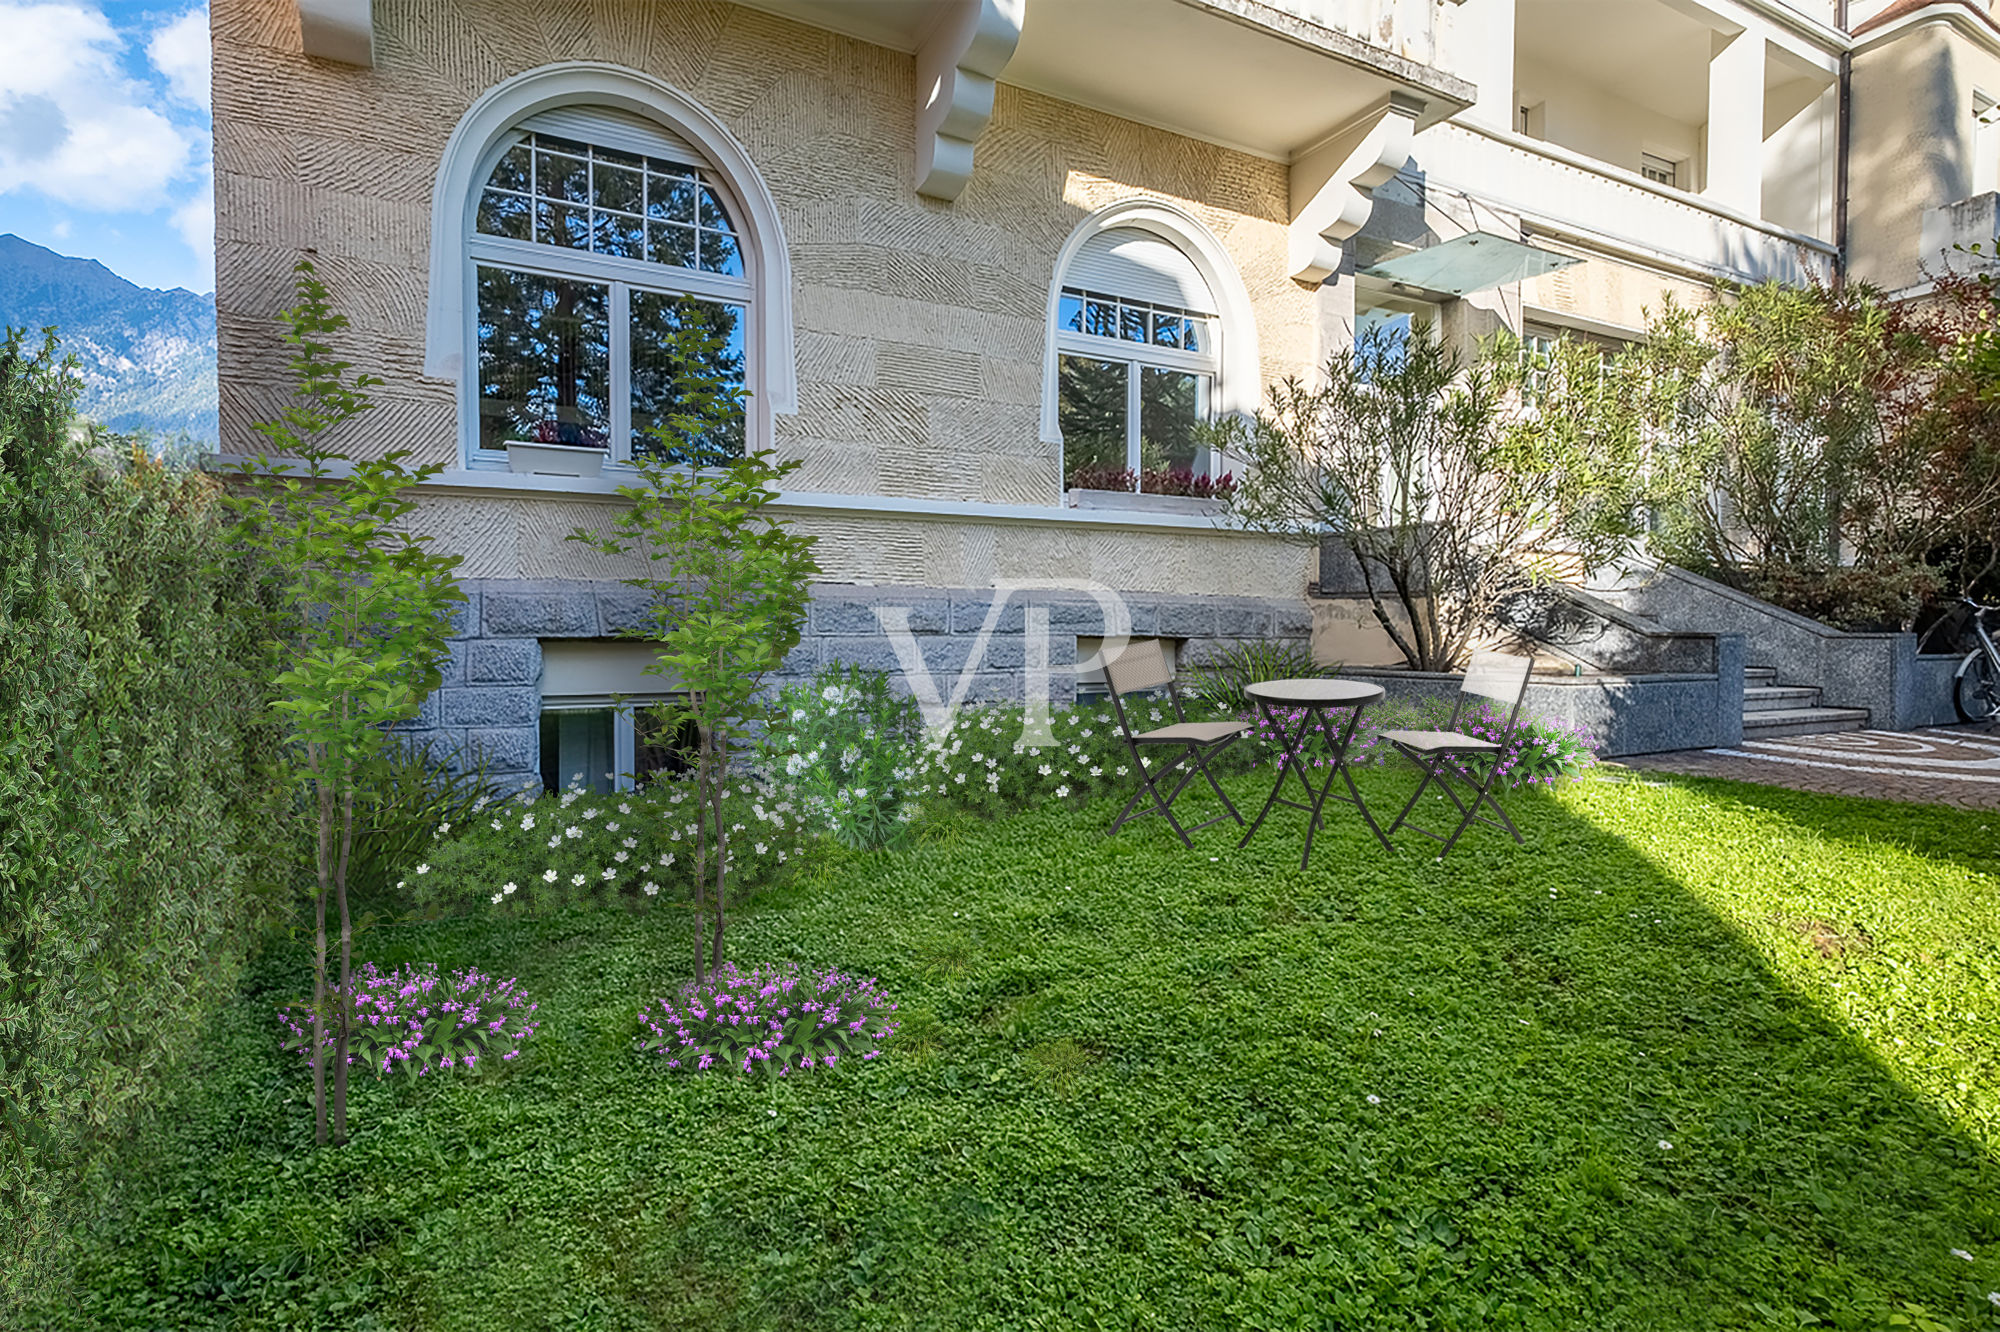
{"x":1131,"y":500}
{"x":554,"y":459}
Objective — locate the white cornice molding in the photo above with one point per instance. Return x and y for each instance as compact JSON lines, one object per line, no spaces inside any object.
{"x":958,"y":62}
{"x":1333,"y":185}
{"x":342,"y":30}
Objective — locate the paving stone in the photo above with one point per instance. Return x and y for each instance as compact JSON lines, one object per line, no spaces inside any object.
{"x":1940,"y":765}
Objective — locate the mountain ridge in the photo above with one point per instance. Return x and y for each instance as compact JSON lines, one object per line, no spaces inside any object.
{"x":147,"y":356}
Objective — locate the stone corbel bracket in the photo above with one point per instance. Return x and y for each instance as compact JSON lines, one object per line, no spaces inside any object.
{"x":1333,"y":183}
{"x":342,"y":30}
{"x":957,"y":65}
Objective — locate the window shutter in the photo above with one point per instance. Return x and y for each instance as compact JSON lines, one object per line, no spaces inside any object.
{"x":583,"y":672}
{"x":1137,"y":265}
{"x":609,"y":128}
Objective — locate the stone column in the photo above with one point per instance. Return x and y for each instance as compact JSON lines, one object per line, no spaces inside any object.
{"x":1735,"y":174}
{"x":1483,"y":51}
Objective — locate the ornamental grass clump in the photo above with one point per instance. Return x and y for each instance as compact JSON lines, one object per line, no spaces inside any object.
{"x":413,"y":1020}
{"x":775,"y":1020}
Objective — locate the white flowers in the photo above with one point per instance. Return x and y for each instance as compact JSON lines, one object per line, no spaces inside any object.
{"x":621,"y":857}
{"x":611,"y":827}
{"x":1666,"y":1146}
{"x":649,"y":888}
{"x":831,"y":693}
{"x":591,"y":813}
{"x":1061,"y":791}
{"x":509,"y":886}
{"x":624,"y":808}
{"x":572,"y":832}
{"x":496,"y":899}
{"x":1373,"y":1099}
{"x":629,"y":843}
{"x":555,"y":841}
{"x":576,"y":880}
{"x":496,"y":825}
{"x":548,"y":876}
{"x":527,"y":823}
{"x":443,"y":828}
{"x":610,"y":872}
{"x":423,"y":869}
{"x":1961,"y":1253}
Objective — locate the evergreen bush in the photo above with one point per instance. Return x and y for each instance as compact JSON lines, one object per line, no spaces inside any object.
{"x":142,"y":836}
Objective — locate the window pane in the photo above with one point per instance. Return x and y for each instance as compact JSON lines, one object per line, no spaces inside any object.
{"x":672,"y":244}
{"x":559,"y":177}
{"x":712,"y":212}
{"x":1101,"y":318}
{"x":513,"y":172}
{"x":1071,"y":317}
{"x":1091,"y":411}
{"x":670,"y":198}
{"x":1195,"y":335}
{"x":1172,"y":403}
{"x":576,"y":749}
{"x":1166,"y":329}
{"x":661,"y":747}
{"x":619,"y":234}
{"x":687,"y":356}
{"x":561,"y":224}
{"x":1131,"y":324}
{"x":617,"y":188}
{"x":505,"y":215}
{"x":544,"y":360}
{"x":719,"y":253}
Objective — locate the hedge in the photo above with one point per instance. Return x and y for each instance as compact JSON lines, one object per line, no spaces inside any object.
{"x":146,"y":841}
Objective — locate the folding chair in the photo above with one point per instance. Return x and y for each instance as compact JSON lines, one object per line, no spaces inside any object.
{"x":1446,"y":755}
{"x":1142,"y":668}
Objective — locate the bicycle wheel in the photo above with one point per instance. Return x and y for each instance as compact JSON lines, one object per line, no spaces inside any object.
{"x":1976,"y":692}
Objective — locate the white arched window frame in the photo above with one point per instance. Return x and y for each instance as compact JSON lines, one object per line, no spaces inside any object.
{"x":493,"y":125}
{"x":1233,"y":363}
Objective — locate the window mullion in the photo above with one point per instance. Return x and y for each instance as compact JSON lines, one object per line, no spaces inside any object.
{"x":621,"y":372}
{"x":1132,"y":452}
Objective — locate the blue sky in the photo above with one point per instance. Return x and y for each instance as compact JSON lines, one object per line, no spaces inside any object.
{"x":104,"y":135}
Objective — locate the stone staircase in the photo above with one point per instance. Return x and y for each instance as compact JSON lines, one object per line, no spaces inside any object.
{"x":1772,"y":709}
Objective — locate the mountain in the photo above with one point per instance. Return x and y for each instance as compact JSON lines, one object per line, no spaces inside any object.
{"x":147,"y":357}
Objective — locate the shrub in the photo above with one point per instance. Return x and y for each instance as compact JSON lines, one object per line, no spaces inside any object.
{"x":144,"y":837}
{"x":412,"y":1020}
{"x":845,"y":741}
{"x":414,"y":795}
{"x":1222,"y":678}
{"x":770,"y":1019}
{"x":580,"y":848}
{"x":978,"y":761}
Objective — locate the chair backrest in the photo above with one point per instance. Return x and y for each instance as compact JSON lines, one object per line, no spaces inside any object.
{"x":1500,"y":676}
{"x":1141,"y":666}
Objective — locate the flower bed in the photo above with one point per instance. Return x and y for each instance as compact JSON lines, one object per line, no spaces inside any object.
{"x":412,"y":1020}
{"x":770,"y":1019}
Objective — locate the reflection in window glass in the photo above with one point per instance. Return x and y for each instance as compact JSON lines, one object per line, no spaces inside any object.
{"x":544,"y":359}
{"x":1091,"y":409}
{"x":1172,"y":406}
{"x":672,"y":335}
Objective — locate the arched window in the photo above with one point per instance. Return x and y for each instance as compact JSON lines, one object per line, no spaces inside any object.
{"x":607,"y":263}
{"x":1150,"y":337}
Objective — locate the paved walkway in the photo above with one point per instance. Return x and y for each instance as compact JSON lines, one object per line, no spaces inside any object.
{"x":1940,"y":765}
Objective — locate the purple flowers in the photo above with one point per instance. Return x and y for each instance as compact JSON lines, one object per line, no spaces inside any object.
{"x":415,"y":1021}
{"x":779,"y":1020}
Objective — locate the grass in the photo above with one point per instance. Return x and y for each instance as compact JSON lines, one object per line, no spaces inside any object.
{"x":1140,"y":1088}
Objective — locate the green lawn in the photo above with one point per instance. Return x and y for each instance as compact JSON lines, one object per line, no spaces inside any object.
{"x":1699,"y":1055}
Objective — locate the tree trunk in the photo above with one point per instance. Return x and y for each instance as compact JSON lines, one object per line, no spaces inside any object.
{"x":346,"y":1011}
{"x":701,"y":780}
{"x":324,"y":858}
{"x":721,"y":843}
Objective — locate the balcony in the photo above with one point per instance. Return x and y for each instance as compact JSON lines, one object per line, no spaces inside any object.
{"x":1567,"y":195}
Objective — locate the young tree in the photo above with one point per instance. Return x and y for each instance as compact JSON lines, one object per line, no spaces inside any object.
{"x":729,"y":586}
{"x":366,"y":614}
{"x":1449,"y":484}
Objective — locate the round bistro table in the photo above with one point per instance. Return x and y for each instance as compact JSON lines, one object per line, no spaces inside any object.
{"x":1313,"y":700}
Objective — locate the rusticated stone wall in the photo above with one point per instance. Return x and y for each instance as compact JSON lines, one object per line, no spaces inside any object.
{"x":919,"y":326}
{"x":490,"y":697}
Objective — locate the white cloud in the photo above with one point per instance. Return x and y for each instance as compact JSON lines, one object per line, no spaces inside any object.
{"x":72,"y":126}
{"x":195,"y":220}
{"x":180,"y":51}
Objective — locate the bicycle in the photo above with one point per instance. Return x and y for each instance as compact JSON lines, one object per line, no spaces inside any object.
{"x":1975,"y":690}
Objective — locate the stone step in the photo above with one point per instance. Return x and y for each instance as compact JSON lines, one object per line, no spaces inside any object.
{"x":1802,"y":721}
{"x":1779,"y":698}
{"x":1760,"y":674}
